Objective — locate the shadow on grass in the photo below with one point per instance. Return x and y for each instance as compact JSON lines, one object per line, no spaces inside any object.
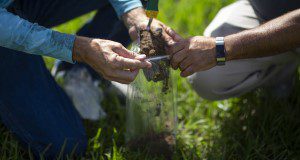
{"x":260,"y":127}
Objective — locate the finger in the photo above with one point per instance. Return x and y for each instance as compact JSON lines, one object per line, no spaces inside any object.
{"x":168,"y":39}
{"x":178,"y":58}
{"x":140,"y":57}
{"x":125,"y":76}
{"x":126,"y":63}
{"x":133,"y":32}
{"x":122,"y":51}
{"x":176,"y":47}
{"x":187,"y":72}
{"x":176,"y":37}
{"x":185,"y":63}
{"x":165,"y":36}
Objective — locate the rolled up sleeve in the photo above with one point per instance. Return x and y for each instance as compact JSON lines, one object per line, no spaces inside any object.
{"x":124,"y":6}
{"x":19,"y":34}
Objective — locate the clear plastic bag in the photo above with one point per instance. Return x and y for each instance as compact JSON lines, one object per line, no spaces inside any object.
{"x":151,"y":111}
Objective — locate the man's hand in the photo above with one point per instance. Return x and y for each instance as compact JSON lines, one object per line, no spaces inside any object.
{"x":109,"y":58}
{"x":193,"y":55}
{"x":136,"y":19}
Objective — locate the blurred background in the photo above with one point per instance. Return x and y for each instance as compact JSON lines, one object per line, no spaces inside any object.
{"x":253,"y":126}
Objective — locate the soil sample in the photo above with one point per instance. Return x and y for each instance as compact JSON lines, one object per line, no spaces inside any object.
{"x":152,"y":44}
{"x":157,"y":144}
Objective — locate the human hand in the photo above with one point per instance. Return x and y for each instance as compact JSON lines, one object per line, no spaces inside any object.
{"x":109,"y":58}
{"x":136,"y":19}
{"x":193,"y":55}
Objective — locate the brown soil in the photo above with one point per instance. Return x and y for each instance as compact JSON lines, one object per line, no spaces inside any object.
{"x":152,"y":44}
{"x":157,"y":144}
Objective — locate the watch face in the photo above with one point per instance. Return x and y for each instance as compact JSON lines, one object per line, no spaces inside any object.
{"x":220,"y":51}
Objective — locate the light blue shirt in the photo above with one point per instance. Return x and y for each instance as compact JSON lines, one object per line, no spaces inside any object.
{"x":19,"y":34}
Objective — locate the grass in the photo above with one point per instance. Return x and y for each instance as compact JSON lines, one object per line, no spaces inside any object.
{"x":253,"y":126}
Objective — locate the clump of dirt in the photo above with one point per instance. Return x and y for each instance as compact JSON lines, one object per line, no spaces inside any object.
{"x":152,"y":44}
{"x":157,"y":144}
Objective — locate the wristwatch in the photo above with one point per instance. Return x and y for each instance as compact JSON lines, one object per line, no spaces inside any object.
{"x":220,"y":51}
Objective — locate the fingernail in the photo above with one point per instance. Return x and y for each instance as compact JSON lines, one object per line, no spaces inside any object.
{"x":141,"y":56}
{"x":170,"y":43}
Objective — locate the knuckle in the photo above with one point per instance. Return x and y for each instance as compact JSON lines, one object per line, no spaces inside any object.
{"x":113,"y":60}
{"x":118,"y":45}
{"x":110,"y":60}
{"x":190,"y":47}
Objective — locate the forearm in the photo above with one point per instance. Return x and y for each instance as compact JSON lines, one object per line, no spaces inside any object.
{"x":19,"y":34}
{"x":274,"y":37}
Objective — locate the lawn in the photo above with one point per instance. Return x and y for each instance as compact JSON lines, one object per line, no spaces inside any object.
{"x":253,"y":126}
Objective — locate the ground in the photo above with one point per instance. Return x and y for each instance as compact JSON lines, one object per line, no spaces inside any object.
{"x":254,"y":126}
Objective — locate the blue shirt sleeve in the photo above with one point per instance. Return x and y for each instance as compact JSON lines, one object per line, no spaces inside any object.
{"x":19,"y":34}
{"x":123,"y":6}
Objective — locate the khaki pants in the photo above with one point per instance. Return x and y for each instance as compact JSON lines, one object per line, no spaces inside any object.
{"x":240,"y":76}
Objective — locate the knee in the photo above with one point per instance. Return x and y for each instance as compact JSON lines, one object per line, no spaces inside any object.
{"x":206,"y":88}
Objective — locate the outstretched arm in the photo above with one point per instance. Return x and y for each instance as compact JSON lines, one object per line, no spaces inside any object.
{"x":199,"y":53}
{"x":108,"y":58}
{"x":276,"y":36}
{"x":19,"y":34}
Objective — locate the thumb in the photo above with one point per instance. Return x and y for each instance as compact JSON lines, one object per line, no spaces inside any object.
{"x":123,"y":52}
{"x":176,"y":37}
